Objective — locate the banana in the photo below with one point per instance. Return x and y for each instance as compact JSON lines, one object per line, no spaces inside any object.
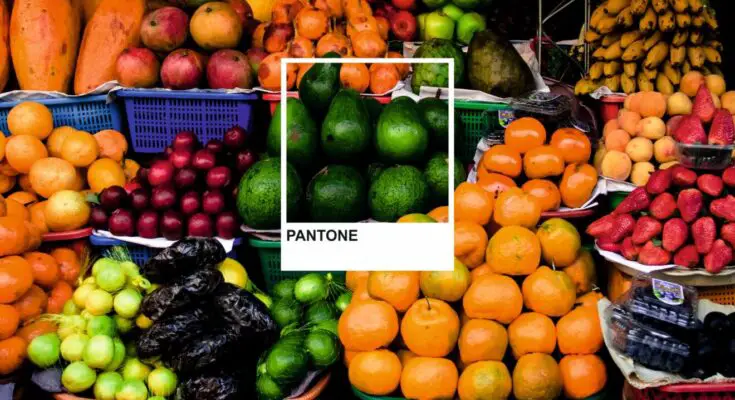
{"x":680,"y":38}
{"x":651,"y":74}
{"x":597,"y":16}
{"x":599,"y":54}
{"x":634,"y":52}
{"x":608,"y":40}
{"x":614,"y":7}
{"x":696,"y":5}
{"x":648,"y":21}
{"x":712,"y":55}
{"x":683,"y":20}
{"x":596,"y":70}
{"x":698,"y":20}
{"x":715,"y":44}
{"x":696,"y":37}
{"x":666,"y":21}
{"x":591,"y":36}
{"x":638,"y":7}
{"x":686,"y":67}
{"x":613,"y":52}
{"x":709,"y":18}
{"x":696,"y":56}
{"x":677,"y":55}
{"x":652,"y":40}
{"x":625,"y":18}
{"x":612,"y":82}
{"x":644,"y":85}
{"x":659,"y":5}
{"x":664,"y":85}
{"x":627,"y":38}
{"x":585,"y":86}
{"x":627,"y":83}
{"x":672,"y":73}
{"x":679,"y":5}
{"x":611,"y":68}
{"x":630,"y":69}
{"x":606,"y":25}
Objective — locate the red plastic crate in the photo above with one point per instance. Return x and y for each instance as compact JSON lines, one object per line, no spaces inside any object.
{"x":695,"y":391}
{"x":274,"y":99}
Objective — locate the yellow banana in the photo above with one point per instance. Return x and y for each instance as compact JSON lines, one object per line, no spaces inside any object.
{"x":597,"y":16}
{"x":599,"y":54}
{"x":613,"y":7}
{"x":698,"y":20}
{"x":612,"y":82}
{"x":634,"y":52}
{"x":709,"y":18}
{"x":606,"y":25}
{"x":711,"y":55}
{"x":679,"y":5}
{"x":659,"y":5}
{"x":651,"y":74}
{"x":611,"y":68}
{"x":680,"y":38}
{"x":677,"y":55}
{"x":625,"y":18}
{"x":644,"y":85}
{"x":638,"y":7}
{"x":695,"y":55}
{"x":715,"y":44}
{"x":608,"y":40}
{"x":664,"y":85}
{"x":695,"y":6}
{"x":627,"y":83}
{"x":683,"y":20}
{"x":591,"y":36}
{"x":613,"y":52}
{"x":629,"y":37}
{"x":686,"y":67}
{"x":696,"y":37}
{"x":672,"y":73}
{"x":648,"y":21}
{"x":652,"y":40}
{"x":630,"y":68}
{"x":584,"y":86}
{"x":666,"y":21}
{"x":596,"y":70}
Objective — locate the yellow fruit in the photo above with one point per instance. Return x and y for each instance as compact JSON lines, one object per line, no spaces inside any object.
{"x":668,"y":165}
{"x":679,"y":104}
{"x":30,"y":118}
{"x":641,"y":172}
{"x":651,"y":128}
{"x":616,"y":165}
{"x":664,"y":149}
{"x":728,"y":101}
{"x":639,"y":149}
{"x":233,"y":272}
{"x":56,"y":139}
{"x":66,"y":210}
{"x":715,"y":84}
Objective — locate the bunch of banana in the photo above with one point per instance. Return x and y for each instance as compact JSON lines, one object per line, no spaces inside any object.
{"x":649,"y":44}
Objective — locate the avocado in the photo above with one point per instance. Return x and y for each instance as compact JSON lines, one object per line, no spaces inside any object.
{"x":373,"y":170}
{"x":259,"y":194}
{"x":319,"y":85}
{"x":437,"y":176}
{"x":337,"y":193}
{"x":437,"y":75}
{"x":346,"y":130}
{"x":401,"y":137}
{"x":303,"y":137}
{"x":435,"y":114}
{"x":494,"y":66}
{"x":398,"y":191}
{"x":374,"y":109}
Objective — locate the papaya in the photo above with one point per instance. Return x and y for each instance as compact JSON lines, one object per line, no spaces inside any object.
{"x":89,"y":7}
{"x":44,"y":38}
{"x":114,"y":26}
{"x":4,"y":49}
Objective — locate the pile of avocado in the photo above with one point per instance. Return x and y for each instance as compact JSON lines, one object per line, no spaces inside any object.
{"x":362,"y":159}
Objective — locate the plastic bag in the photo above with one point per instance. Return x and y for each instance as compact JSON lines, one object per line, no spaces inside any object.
{"x":182,"y":258}
{"x":242,"y":309}
{"x":181,"y":293}
{"x":208,"y":351}
{"x":171,"y":333}
{"x":207,"y":387}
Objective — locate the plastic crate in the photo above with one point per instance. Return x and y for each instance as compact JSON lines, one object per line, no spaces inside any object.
{"x":269,"y":253}
{"x":89,"y":113}
{"x":140,"y":254}
{"x":696,"y":391}
{"x":724,"y":295}
{"x":478,"y":120}
{"x":156,"y":116}
{"x":274,"y":99}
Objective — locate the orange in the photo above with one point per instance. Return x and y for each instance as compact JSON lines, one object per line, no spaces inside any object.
{"x":485,"y":380}
{"x":349,"y":356}
{"x":577,"y":184}
{"x":31,"y":304}
{"x":502,"y":159}
{"x":446,"y":285}
{"x":482,"y":340}
{"x":617,"y":283}
{"x":549,"y":292}
{"x":472,"y":203}
{"x":30,"y":118}
{"x":360,"y":293}
{"x":38,"y":216}
{"x":355,"y":76}
{"x":31,"y":330}
{"x":430,"y":328}
{"x":353,"y":278}
{"x":493,"y":182}
{"x":16,"y":209}
{"x":583,"y":375}
{"x":536,"y":377}
{"x":66,"y":210}
{"x":9,"y":320}
{"x":532,"y":333}
{"x":440,"y":214}
{"x":12,"y":354}
{"x":45,"y":269}
{"x":405,"y":355}
{"x":3,"y":142}
{"x":376,"y":373}
{"x":69,"y":266}
{"x":15,"y":278}
{"x":495,"y":297}
{"x":7,"y":183}
{"x":545,"y":192}
{"x":59,"y":294}
{"x":111,"y":144}
{"x":524,"y":134}
{"x":22,"y":151}
{"x":24,"y":198}
{"x":543,"y":161}
{"x":470,"y":241}
{"x":56,"y":139}
{"x":50,"y":175}
{"x":399,"y":289}
{"x":482,"y":270}
{"x":560,"y":242}
{"x":582,"y":271}
{"x":513,"y":250}
{"x":80,"y":148}
{"x":130,"y":168}
{"x":368,"y":325}
{"x":104,"y":173}
{"x":6,"y":169}
{"x":589,"y":299}
{"x":515,"y":207}
{"x":429,"y":378}
{"x":579,"y":331}
{"x":574,"y":145}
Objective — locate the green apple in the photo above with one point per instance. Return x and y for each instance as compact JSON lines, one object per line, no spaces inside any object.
{"x":467,"y":4}
{"x":422,"y":25}
{"x":453,"y":11}
{"x":469,"y":24}
{"x":439,"y":26}
{"x":433,"y":4}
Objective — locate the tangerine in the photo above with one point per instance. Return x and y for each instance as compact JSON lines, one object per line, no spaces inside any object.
{"x":30,"y":118}
{"x":66,"y":210}
{"x":482,"y":340}
{"x":545,"y":192}
{"x":368,"y":325}
{"x":589,"y":299}
{"x":446,"y":285}
{"x":31,"y":304}
{"x":22,"y":151}
{"x":574,"y":145}
{"x":50,"y":175}
{"x":515,"y":207}
{"x":549,"y":292}
{"x":399,"y":289}
{"x":482,"y":270}
{"x":583,"y":375}
{"x":58,"y":296}
{"x":560,"y":242}
{"x":69,"y":266}
{"x":104,"y":173}
{"x":543,"y":161}
{"x":579,"y":331}
{"x":111,"y":144}
{"x":485,"y":380}
{"x":353,"y":278}
{"x":472,"y":203}
{"x":495,"y":297}
{"x":56,"y":139}
{"x":524,"y":134}
{"x":7,"y":183}
{"x":513,"y":250}
{"x":9,"y":320}
{"x":15,"y":278}
{"x":12,"y":354}
{"x":470,"y":242}
{"x":577,"y":184}
{"x":403,"y":68}
{"x":376,"y":373}
{"x":537,"y":377}
{"x":36,"y":328}
{"x":503,"y":159}
{"x":582,"y":271}
{"x":493,"y":182}
{"x":532,"y":332}
{"x":430,"y":328}
{"x":429,"y":378}
{"x":440,"y":214}
{"x":79,"y":148}
{"x":45,"y":269}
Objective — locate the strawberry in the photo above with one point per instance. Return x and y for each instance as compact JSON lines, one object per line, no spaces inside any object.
{"x":646,"y":228}
{"x":663,"y":206}
{"x":718,"y":258}
{"x":683,"y":176}
{"x":675,"y":234}
{"x":710,"y":184}
{"x":703,"y":106}
{"x":623,"y":226}
{"x":728,"y":176}
{"x":689,"y":203}
{"x":629,"y":250}
{"x":651,"y":254}
{"x":637,"y":200}
{"x":659,"y":181}
{"x":607,"y":245}
{"x":722,"y":131}
{"x":724,"y":208}
{"x":687,"y":256}
{"x":690,"y":131}
{"x":704,"y":232}
{"x":601,"y":227}
{"x":727,"y":232}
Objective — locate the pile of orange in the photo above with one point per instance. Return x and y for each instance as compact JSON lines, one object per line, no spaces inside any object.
{"x":31,"y":284}
{"x":300,"y":29}
{"x":549,"y":174}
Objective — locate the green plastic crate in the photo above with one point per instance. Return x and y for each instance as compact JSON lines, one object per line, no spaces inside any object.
{"x":478,"y":120}
{"x":269,"y":253}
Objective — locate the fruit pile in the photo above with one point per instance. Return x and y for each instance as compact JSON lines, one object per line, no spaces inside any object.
{"x":646,"y":45}
{"x":525,"y":157}
{"x":451,"y":20}
{"x":32,"y":284}
{"x":679,"y":217}
{"x":191,"y":192}
{"x":644,"y":136}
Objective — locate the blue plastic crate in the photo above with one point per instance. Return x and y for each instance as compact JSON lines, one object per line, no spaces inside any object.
{"x":89,"y":113}
{"x":141,"y":254}
{"x":156,"y":116}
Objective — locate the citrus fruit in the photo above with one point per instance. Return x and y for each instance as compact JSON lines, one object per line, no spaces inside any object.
{"x":368,"y":325}
{"x":16,"y":278}
{"x":449,"y":286}
{"x":430,"y":328}
{"x":30,"y":118}
{"x":525,"y":133}
{"x":560,"y":242}
{"x":111,"y":144}
{"x":583,"y":375}
{"x":579,"y":331}
{"x":495,"y":297}
{"x":482,"y":340}
{"x":50,"y":175}
{"x":472,"y":203}
{"x":66,"y":210}
{"x":470,"y":243}
{"x":79,"y":148}
{"x":485,"y":380}
{"x":429,"y":378}
{"x":376,"y":373}
{"x":532,"y":333}
{"x":536,"y":377}
{"x":582,"y":271}
{"x":104,"y":173}
{"x":22,"y":151}
{"x":549,"y":292}
{"x":56,"y":139}
{"x":513,"y":250}
{"x":399,"y":289}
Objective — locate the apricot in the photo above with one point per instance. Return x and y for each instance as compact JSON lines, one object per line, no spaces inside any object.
{"x":653,"y":104}
{"x":641,"y":173}
{"x":612,"y":125}
{"x":633,"y":102}
{"x":690,"y":83}
{"x":616,"y":165}
{"x":668,"y":165}
{"x":628,"y":120}
{"x":597,"y":159}
{"x":651,"y":128}
{"x":728,"y":101}
{"x":639,"y":149}
{"x":679,"y":104}
{"x":617,"y":140}
{"x":664,"y":150}
{"x":715,"y":84}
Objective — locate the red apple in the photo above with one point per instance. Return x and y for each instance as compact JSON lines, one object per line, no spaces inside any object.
{"x":229,"y":69}
{"x":165,"y":29}
{"x":243,"y":10}
{"x":160,"y":173}
{"x":185,"y":140}
{"x":403,"y":25}
{"x":404,"y":4}
{"x":137,"y":67}
{"x":183,"y":69}
{"x":180,"y":158}
{"x":255,"y":57}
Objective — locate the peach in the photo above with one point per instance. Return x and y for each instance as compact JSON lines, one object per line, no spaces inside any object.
{"x":653,"y":104}
{"x":668,"y":165}
{"x":612,"y":125}
{"x":679,"y":104}
{"x":728,"y":101}
{"x":651,"y":128}
{"x":639,"y":149}
{"x":617,"y":140}
{"x":664,"y":150}
{"x":628,"y":121}
{"x":599,"y":156}
{"x":641,"y":173}
{"x":633,"y":102}
{"x":715,"y":84}
{"x":616,"y":165}
{"x":690,"y":83}
{"x":716,"y":100}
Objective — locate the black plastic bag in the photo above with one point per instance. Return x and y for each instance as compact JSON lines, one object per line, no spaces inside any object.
{"x":180,"y":294}
{"x":210,"y":387}
{"x":182,"y":258}
{"x":209,"y":351}
{"x":171,"y":333}
{"x":242,"y":309}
